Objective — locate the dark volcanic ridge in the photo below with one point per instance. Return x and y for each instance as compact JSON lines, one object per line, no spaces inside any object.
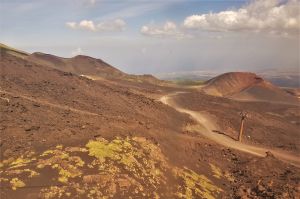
{"x":82,"y":65}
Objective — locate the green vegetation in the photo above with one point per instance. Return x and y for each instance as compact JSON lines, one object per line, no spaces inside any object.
{"x":196,"y":185}
{"x":216,"y":171}
{"x":122,"y":167}
{"x":135,"y":156}
{"x":12,"y":169}
{"x":16,"y":183}
{"x":67,"y":165}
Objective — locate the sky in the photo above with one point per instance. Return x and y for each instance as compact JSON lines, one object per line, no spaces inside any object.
{"x":160,"y":36}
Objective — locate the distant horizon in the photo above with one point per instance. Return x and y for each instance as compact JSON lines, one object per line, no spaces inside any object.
{"x":268,"y":72}
{"x":159,"y":36}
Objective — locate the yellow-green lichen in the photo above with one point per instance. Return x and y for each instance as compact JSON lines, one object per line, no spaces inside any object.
{"x":31,"y":172}
{"x":102,"y":149}
{"x":19,"y":162}
{"x":131,"y":167}
{"x":196,"y":186}
{"x":229,"y":176}
{"x":52,"y":192}
{"x":137,"y":156}
{"x":217,"y":173}
{"x":63,"y":179}
{"x":15,"y":169}
{"x":48,"y":152}
{"x":16,"y":183}
{"x":67,"y":165}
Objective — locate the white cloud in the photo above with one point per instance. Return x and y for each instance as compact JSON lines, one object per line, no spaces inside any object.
{"x":169,"y":29}
{"x":104,"y":26}
{"x":77,"y":51}
{"x":258,"y":16}
{"x":87,"y":25}
{"x":114,"y":25}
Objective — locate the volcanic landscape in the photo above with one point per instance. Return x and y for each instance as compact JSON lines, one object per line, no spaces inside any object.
{"x":80,"y":128}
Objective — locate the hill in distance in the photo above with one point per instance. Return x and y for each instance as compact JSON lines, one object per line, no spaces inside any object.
{"x":86,"y":66}
{"x":248,"y":87}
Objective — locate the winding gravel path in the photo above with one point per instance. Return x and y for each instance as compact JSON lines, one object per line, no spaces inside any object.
{"x":224,"y":140}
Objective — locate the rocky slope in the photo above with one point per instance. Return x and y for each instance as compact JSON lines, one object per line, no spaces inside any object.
{"x":67,"y":136}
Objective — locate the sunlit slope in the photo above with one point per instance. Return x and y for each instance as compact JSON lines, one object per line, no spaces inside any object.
{"x":6,"y":49}
{"x":246,"y":86}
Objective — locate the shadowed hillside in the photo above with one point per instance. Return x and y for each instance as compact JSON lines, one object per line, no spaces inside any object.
{"x":81,"y":65}
{"x":92,"y":68}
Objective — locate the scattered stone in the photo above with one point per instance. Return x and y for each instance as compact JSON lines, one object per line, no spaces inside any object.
{"x":260,"y":188}
{"x":269,"y":154}
{"x":124,"y":184}
{"x":32,"y":128}
{"x":98,"y":135}
{"x":2,"y":127}
{"x":7,"y":153}
{"x":67,"y":74}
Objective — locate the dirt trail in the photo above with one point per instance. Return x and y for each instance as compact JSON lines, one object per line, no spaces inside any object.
{"x":44,"y":102}
{"x":203,"y":119}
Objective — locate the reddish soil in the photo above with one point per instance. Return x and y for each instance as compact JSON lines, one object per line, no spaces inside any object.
{"x":45,"y":99}
{"x":43,"y":108}
{"x":273,"y":125}
{"x":247,"y":87}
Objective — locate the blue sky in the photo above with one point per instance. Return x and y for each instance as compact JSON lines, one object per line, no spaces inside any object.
{"x":141,"y":36}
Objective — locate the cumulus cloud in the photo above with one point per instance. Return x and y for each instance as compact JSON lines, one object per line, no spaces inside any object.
{"x":115,"y":25}
{"x":169,"y":29}
{"x":86,"y":24}
{"x":259,"y":16}
{"x":104,"y":26}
